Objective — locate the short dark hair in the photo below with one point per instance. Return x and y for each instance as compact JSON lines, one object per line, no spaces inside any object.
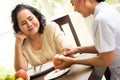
{"x":38,"y":14}
{"x":100,"y":0}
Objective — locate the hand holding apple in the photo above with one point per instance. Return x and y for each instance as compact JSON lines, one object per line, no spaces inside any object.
{"x":56,"y":61}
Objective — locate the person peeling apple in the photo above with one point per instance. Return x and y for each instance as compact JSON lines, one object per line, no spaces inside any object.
{"x":106,"y":37}
{"x":37,"y":41}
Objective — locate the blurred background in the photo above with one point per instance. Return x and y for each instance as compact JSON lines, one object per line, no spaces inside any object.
{"x":51,"y":9}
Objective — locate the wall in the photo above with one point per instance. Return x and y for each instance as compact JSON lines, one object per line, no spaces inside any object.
{"x":6,"y":34}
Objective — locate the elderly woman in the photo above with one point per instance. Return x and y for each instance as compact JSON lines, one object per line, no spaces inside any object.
{"x":36,"y":41}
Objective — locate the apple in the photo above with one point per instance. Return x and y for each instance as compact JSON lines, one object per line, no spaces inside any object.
{"x":9,"y":77}
{"x":21,"y":74}
{"x":56,"y":61}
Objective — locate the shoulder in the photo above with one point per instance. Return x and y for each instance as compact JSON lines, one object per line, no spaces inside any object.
{"x":106,"y":14}
{"x":51,"y":26}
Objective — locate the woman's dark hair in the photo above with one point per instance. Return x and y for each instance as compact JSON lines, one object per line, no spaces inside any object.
{"x":39,"y":16}
{"x":100,"y":0}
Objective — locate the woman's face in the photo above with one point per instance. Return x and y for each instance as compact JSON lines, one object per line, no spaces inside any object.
{"x":27,"y":22}
{"x":81,"y":7}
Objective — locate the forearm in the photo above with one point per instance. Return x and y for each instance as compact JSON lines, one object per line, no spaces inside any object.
{"x":19,"y":62}
{"x":91,"y":61}
{"x":103,"y":59}
{"x":86,"y":49}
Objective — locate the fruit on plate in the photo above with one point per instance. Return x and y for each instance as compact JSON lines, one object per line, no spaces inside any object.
{"x":9,"y":77}
{"x":56,"y":61}
{"x":19,"y":78}
{"x":21,"y":74}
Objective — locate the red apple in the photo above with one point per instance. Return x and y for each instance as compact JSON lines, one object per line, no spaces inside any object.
{"x":56,"y":61}
{"x":21,"y":74}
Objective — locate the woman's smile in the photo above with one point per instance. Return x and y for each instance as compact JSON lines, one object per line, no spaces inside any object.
{"x":31,"y":29}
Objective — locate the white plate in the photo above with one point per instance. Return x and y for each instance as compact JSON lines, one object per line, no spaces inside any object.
{"x":54,"y":74}
{"x":38,"y":70}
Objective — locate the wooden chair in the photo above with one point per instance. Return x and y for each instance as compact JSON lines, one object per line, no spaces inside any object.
{"x":66,"y":20}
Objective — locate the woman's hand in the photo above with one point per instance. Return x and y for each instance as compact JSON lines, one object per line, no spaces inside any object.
{"x":20,"y":38}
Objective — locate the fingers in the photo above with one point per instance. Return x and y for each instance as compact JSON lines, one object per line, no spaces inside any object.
{"x":68,"y":54}
{"x":65,"y":49}
{"x":21,"y":35}
{"x":59,"y":67}
{"x":62,"y":66}
{"x":66,"y":61}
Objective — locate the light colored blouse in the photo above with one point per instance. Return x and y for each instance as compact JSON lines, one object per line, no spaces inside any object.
{"x":53,"y":42}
